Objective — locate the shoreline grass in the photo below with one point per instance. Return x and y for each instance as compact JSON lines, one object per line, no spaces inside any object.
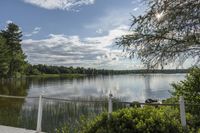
{"x":56,"y":76}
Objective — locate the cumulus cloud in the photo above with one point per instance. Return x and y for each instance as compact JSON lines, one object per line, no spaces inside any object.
{"x":36,"y":30}
{"x":59,"y":4}
{"x":73,"y":51}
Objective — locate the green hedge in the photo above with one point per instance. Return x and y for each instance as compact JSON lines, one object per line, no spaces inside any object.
{"x":139,"y":120}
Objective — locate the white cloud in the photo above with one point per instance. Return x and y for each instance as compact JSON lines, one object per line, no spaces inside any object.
{"x":135,"y":9}
{"x":59,"y":4}
{"x":73,"y":51}
{"x":36,"y":30}
{"x":107,"y":40}
{"x":99,"y":31}
{"x":9,"y":21}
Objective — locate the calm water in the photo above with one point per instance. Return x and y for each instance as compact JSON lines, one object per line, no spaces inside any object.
{"x":132,"y":87}
{"x":23,"y":112}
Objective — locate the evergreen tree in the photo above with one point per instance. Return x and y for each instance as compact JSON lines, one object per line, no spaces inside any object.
{"x":4,"y":58}
{"x":13,"y":35}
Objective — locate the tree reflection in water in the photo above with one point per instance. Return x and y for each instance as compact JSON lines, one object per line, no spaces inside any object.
{"x":10,"y":109}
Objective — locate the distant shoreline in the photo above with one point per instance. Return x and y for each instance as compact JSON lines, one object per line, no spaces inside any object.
{"x":119,"y":72}
{"x":165,"y":71}
{"x":56,"y":76}
{"x":114,"y":72}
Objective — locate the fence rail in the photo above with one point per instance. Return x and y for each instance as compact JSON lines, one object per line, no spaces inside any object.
{"x":15,"y":97}
{"x":109,"y":101}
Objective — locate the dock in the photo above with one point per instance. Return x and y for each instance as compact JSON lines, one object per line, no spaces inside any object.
{"x":7,"y":129}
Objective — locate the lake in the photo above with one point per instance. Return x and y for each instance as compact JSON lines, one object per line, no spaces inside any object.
{"x":131,"y":87}
{"x":135,"y":87}
{"x":23,"y":112}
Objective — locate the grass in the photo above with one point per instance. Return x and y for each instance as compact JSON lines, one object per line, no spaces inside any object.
{"x":56,"y":114}
{"x":57,"y":75}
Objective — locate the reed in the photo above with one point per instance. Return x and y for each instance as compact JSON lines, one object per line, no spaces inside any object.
{"x":56,"y":112}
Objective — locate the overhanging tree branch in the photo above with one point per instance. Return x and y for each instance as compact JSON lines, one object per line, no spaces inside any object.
{"x":168,"y":32}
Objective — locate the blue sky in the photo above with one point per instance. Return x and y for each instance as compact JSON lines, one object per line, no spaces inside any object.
{"x":73,"y":32}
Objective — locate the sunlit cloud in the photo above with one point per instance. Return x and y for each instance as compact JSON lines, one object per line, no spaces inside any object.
{"x":60,"y":49}
{"x":59,"y":4}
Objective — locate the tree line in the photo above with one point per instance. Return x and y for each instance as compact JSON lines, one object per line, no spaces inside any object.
{"x":45,"y":69}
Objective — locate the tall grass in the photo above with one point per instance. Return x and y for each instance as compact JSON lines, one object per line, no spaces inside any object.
{"x":56,"y":112}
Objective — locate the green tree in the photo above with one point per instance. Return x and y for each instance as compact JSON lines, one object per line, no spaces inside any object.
{"x":4,"y":58}
{"x":169,"y":31}
{"x":190,"y":87}
{"x":17,"y":63}
{"x":190,"y":90}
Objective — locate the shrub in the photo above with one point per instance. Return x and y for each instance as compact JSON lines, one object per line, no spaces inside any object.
{"x":63,"y":129}
{"x":135,"y":104}
{"x":189,"y":89}
{"x":138,"y":120}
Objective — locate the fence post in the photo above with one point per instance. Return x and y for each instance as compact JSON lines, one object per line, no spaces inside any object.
{"x":39,"y":118}
{"x":182,"y":111}
{"x":110,"y":108}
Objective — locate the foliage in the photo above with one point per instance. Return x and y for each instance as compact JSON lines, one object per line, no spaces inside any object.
{"x":45,"y":69}
{"x":135,"y":104}
{"x":30,"y":70}
{"x":14,"y":58}
{"x":190,"y":87}
{"x":190,"y":90}
{"x":63,"y":129}
{"x":168,"y":31}
{"x":138,"y":120}
{"x":4,"y":58}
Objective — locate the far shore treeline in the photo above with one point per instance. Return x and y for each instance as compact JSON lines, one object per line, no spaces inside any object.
{"x":44,"y":69}
{"x":13,"y":61}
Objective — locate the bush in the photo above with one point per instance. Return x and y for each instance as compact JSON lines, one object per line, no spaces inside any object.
{"x":138,"y":120}
{"x":135,"y":104}
{"x":190,"y":90}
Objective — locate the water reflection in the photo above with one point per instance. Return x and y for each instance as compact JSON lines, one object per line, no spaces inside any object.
{"x":147,"y":89}
{"x":10,"y":109}
{"x":16,"y":87}
{"x":132,"y":87}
